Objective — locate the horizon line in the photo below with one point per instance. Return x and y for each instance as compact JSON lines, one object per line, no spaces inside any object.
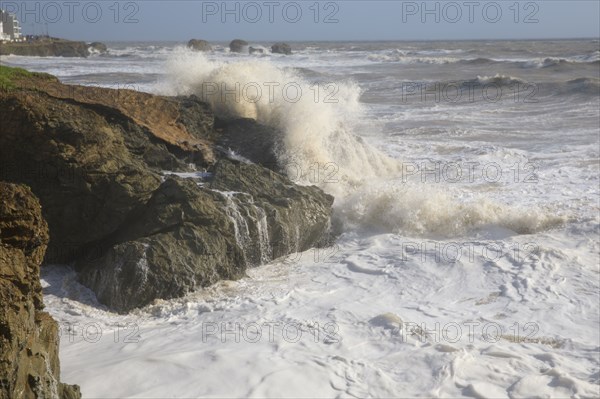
{"x":343,"y":41}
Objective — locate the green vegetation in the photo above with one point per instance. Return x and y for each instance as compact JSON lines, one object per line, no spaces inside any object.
{"x":10,"y":76}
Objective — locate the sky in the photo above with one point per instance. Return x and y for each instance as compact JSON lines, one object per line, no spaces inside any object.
{"x":312,"y":20}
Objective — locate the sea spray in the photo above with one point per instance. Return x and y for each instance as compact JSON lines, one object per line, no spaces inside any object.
{"x":318,"y":128}
{"x":322,"y":134}
{"x":431,"y":211}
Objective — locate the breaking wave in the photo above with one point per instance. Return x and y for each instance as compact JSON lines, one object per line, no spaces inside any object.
{"x":320,"y":133}
{"x":498,"y":79}
{"x":436,"y":211}
{"x":550,"y":62}
{"x":318,"y":125}
{"x":584,"y":85}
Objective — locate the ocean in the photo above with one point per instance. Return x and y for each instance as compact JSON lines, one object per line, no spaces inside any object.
{"x":467,"y":259}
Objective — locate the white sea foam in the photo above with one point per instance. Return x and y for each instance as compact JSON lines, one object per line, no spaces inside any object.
{"x":406,"y":209}
{"x":499,"y":79}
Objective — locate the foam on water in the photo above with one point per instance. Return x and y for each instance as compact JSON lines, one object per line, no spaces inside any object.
{"x":357,"y":296}
{"x":411,"y":210}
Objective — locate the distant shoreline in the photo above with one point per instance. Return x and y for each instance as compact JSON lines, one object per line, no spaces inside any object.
{"x":44,"y":46}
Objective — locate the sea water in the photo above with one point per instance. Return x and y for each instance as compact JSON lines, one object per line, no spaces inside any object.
{"x":466,"y":178}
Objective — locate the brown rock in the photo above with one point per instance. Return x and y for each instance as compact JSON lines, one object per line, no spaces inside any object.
{"x":29,"y":365}
{"x":92,"y":155}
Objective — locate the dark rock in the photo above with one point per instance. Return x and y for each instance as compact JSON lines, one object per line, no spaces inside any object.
{"x":182,"y":239}
{"x":254,"y":50}
{"x":29,"y":364}
{"x":281,"y":48}
{"x":187,"y":236}
{"x":238,"y":46}
{"x":98,"y":47}
{"x":297,"y":216}
{"x":199,"y":45}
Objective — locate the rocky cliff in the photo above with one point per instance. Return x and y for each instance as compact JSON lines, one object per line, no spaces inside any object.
{"x":29,"y":366}
{"x":139,"y":193}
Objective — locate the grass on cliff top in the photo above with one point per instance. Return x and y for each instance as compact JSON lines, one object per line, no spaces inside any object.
{"x":9,"y":77}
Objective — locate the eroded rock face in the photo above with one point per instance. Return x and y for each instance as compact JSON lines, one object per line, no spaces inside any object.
{"x":97,"y":158}
{"x":238,"y":46}
{"x":29,"y":365}
{"x":199,"y":45}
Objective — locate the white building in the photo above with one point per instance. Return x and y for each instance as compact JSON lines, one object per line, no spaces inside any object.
{"x":9,"y":27}
{"x":3,"y":36}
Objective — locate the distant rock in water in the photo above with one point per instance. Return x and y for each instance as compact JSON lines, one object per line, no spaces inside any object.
{"x":29,"y":337}
{"x":238,"y":46}
{"x":97,"y":158}
{"x":254,"y":50}
{"x":281,"y":48}
{"x":199,"y":45}
{"x":46,"y":47}
{"x":98,"y":47}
